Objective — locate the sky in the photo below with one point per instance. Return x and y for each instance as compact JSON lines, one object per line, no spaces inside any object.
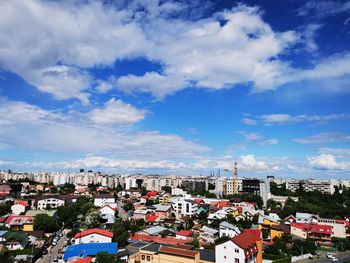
{"x":182,"y":87}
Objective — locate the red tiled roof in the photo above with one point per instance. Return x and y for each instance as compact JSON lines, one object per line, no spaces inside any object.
{"x":179,"y":252}
{"x":255,"y":232}
{"x":313,"y":228}
{"x":160,"y":240}
{"x":24,"y":203}
{"x":23,"y":219}
{"x":185,"y":233}
{"x":94,"y":231}
{"x":83,"y":260}
{"x":247,"y":241}
{"x":154,"y":193}
{"x":198,"y":200}
{"x":151,"y":218}
{"x":115,"y":209}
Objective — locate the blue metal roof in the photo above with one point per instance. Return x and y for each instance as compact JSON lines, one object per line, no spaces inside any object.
{"x":90,"y":249}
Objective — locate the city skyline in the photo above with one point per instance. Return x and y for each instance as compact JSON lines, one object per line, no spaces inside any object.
{"x":176,"y":87}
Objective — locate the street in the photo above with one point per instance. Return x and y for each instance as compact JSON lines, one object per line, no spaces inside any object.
{"x":342,"y":257}
{"x":53,"y":251}
{"x":121,"y":212}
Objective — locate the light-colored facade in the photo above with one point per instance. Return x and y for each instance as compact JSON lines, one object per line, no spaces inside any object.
{"x":50,"y":202}
{"x":184,"y":207}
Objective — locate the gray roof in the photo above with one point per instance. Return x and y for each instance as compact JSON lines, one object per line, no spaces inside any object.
{"x":154,"y":230}
{"x":209,"y":230}
{"x":2,"y":232}
{"x":207,"y":255}
{"x":162,"y":208}
{"x":230,"y":226}
{"x":152,"y":247}
{"x":303,"y":215}
{"x":138,"y":244}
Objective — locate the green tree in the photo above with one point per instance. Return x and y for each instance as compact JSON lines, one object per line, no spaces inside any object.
{"x":92,"y":219}
{"x":120,"y":232}
{"x":104,"y":257}
{"x":166,"y":188}
{"x":45,"y":223}
{"x":5,"y":208}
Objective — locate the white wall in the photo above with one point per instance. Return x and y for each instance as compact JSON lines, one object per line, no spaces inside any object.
{"x":93,"y":238}
{"x":227,"y":253}
{"x":17,"y":209}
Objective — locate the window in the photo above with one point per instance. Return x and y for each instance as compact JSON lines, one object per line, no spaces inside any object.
{"x":143,"y":257}
{"x":224,"y":257}
{"x":236,"y":250}
{"x":236,"y":260}
{"x":148,"y":258}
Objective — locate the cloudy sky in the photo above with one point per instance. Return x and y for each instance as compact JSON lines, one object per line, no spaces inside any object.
{"x":177,"y":87}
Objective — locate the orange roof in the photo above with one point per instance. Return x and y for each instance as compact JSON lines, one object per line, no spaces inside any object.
{"x":24,"y":203}
{"x":179,"y":252}
{"x":223,"y":203}
{"x":185,"y":233}
{"x":151,"y":218}
{"x":94,"y":231}
{"x":83,"y":260}
{"x":160,"y":240}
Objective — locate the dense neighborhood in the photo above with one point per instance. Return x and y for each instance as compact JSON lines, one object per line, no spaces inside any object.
{"x":79,"y":223}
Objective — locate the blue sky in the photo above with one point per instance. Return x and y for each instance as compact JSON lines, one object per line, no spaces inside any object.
{"x":176,"y":87}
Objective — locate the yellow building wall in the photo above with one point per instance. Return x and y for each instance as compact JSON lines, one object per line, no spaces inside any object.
{"x":275,"y":233}
{"x":28,"y":227}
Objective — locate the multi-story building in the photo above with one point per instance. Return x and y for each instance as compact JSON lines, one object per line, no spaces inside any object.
{"x":185,"y":207}
{"x":243,"y":248}
{"x":49,"y":202}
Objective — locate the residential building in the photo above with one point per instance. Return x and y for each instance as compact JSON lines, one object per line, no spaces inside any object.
{"x":104,"y":199}
{"x":107,"y":212}
{"x":19,"y":207}
{"x":228,"y":230}
{"x":208,"y":235}
{"x":338,"y":226}
{"x":185,"y":207}
{"x":20,"y":223}
{"x":5,"y":189}
{"x":94,"y":235}
{"x":243,"y":248}
{"x":311,"y":231}
{"x":277,"y":231}
{"x":13,"y":240}
{"x":49,"y":202}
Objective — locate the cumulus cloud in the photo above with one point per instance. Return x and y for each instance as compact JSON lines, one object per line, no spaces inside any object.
{"x":327,"y":162}
{"x":24,"y":126}
{"x":220,"y":51}
{"x":117,"y":112}
{"x":250,"y":163}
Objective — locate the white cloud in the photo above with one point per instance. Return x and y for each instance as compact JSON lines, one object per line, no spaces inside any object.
{"x":28,"y":127}
{"x":250,"y":163}
{"x":327,"y":162}
{"x":336,"y":151}
{"x":257,"y":138}
{"x":324,"y":137}
{"x":281,"y":119}
{"x":54,"y":55}
{"x":250,"y":136}
{"x":152,"y":82}
{"x":323,"y":8}
{"x":116,"y":112}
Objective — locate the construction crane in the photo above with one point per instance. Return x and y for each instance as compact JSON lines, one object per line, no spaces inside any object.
{"x":235,"y":186}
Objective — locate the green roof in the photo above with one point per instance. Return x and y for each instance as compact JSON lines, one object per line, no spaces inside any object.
{"x":20,"y":237}
{"x":36,"y":212}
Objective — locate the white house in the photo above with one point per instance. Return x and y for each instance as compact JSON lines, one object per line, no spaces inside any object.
{"x":229,"y":230}
{"x":178,"y":192}
{"x":94,"y":235}
{"x":239,"y":249}
{"x":185,"y":207}
{"x":208,"y":235}
{"x":108,"y":212}
{"x":19,"y":207}
{"x":305,"y":218}
{"x":104,"y":199}
{"x":49,"y":202}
